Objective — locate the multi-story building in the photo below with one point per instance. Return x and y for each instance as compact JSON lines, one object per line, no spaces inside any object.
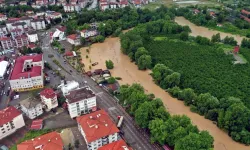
{"x":27,"y":73}
{"x":117,"y":145}
{"x":89,"y":33}
{"x":49,"y":141}
{"x":3,"y":17}
{"x":23,"y":3}
{"x":27,"y":20}
{"x":59,"y":34}
{"x":83,"y":3}
{"x":32,"y":36}
{"x":10,"y":120}
{"x":20,"y":25}
{"x":21,"y":41}
{"x":80,"y":101}
{"x":6,"y":43}
{"x":74,"y":39}
{"x":38,"y":24}
{"x":32,"y":107}
{"x":97,"y":129}
{"x":49,"y":98}
{"x":71,"y":8}
{"x":16,"y":32}
{"x":3,"y":30}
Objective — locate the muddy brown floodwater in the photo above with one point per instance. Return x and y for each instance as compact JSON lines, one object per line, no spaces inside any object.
{"x":205,"y":32}
{"x":129,"y":73}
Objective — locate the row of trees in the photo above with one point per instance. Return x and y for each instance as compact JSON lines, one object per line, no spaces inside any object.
{"x":150,"y":113}
{"x":199,"y":68}
{"x":229,"y":113}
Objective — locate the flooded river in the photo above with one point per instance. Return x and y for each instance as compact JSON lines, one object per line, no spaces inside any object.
{"x":202,"y":31}
{"x":129,"y":73}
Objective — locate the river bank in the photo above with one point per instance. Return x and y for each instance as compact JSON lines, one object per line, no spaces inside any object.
{"x":128,"y":71}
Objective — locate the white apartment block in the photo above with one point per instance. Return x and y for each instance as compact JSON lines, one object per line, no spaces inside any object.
{"x":27,"y":73}
{"x":97,"y":129}
{"x":10,"y":120}
{"x":81,"y":101}
{"x":49,"y":99}
{"x":32,"y":36}
{"x":31,"y":107}
{"x":38,"y":24}
{"x":89,"y":33}
{"x":3,"y":30}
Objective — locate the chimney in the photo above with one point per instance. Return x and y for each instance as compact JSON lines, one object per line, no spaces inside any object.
{"x":90,"y":117}
{"x":96,"y":126}
{"x":106,"y":124}
{"x":49,"y":140}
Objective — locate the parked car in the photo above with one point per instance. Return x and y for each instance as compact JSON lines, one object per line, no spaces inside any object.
{"x":95,"y":63}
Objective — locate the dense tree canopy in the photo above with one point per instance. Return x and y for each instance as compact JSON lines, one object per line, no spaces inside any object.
{"x":165,"y":129}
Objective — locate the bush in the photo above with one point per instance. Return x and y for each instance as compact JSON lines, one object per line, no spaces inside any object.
{"x":111,"y":80}
{"x":109,"y":64}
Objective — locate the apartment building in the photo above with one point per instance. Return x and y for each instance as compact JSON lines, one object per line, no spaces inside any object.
{"x":21,"y":41}
{"x":80,"y":101}
{"x":10,"y":120}
{"x":49,"y":98}
{"x":31,"y":107}
{"x":6,"y":43}
{"x":71,"y":8}
{"x":49,"y":141}
{"x":89,"y":33}
{"x":117,"y":145}
{"x":97,"y":129}
{"x":74,"y":39}
{"x":27,"y":73}
{"x":3,"y":30}
{"x":16,"y":32}
{"x":38,"y":24}
{"x":3,"y":17}
{"x":32,"y":36}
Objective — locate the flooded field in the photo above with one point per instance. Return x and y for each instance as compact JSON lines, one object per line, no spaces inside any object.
{"x":124,"y":68}
{"x":202,"y":31}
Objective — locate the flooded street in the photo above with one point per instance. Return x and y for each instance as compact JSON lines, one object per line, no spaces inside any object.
{"x":205,"y":32}
{"x":129,"y":73}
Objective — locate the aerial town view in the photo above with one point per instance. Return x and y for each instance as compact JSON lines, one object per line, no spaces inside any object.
{"x":124,"y":74}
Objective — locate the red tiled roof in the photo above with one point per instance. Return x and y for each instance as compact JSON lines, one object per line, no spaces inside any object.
{"x":137,"y":2}
{"x":117,"y":145}
{"x":97,"y":125}
{"x":62,"y":28}
{"x":16,"y":30}
{"x":68,"y":53}
{"x":5,"y":38}
{"x":50,"y":141}
{"x":48,"y":93}
{"x":23,"y":36}
{"x":32,"y":45}
{"x":72,"y":36}
{"x":124,"y":2}
{"x":35,"y":71}
{"x":2,"y":15}
{"x":13,"y":19}
{"x":245,"y":12}
{"x":8,"y":114}
{"x":37,"y":124}
{"x":212,"y":13}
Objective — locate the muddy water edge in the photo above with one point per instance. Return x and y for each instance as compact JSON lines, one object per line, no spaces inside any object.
{"x":128,"y":71}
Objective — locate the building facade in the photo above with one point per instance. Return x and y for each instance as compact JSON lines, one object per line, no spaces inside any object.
{"x":38,"y":24}
{"x":89,"y":33}
{"x":6,"y":43}
{"x":80,"y":101}
{"x":3,"y":30}
{"x":97,"y":129}
{"x":10,"y":120}
{"x":32,"y":36}
{"x":74,"y":39}
{"x":21,"y":41}
{"x":31,"y":107}
{"x":49,"y":99}
{"x":27,"y":73}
